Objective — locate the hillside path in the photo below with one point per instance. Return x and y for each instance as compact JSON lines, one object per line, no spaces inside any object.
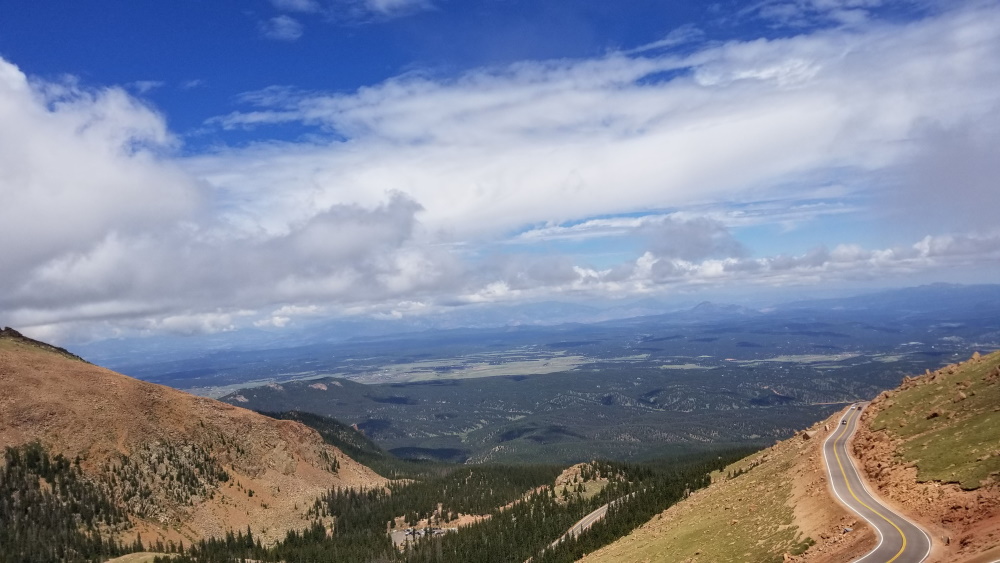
{"x":900,"y":541}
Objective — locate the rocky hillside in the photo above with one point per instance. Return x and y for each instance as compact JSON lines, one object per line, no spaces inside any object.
{"x":181,"y":467}
{"x":932,"y":447}
{"x":770,"y":506}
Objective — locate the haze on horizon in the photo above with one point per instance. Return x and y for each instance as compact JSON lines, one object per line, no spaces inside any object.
{"x":185,"y":169}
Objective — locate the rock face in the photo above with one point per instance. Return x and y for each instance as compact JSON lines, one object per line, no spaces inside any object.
{"x":184,"y":467}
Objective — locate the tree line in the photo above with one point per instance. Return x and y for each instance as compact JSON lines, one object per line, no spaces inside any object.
{"x":51,"y":511}
{"x":511,"y":532}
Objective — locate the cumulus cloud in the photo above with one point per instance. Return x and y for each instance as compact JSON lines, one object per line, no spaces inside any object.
{"x":100,"y":223}
{"x":693,"y":239}
{"x":344,"y":253}
{"x":652,"y":272}
{"x":76,"y":164}
{"x":281,"y":28}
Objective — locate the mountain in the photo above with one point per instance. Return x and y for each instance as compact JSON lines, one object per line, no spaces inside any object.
{"x":931,"y":448}
{"x":934,"y":321}
{"x":179,"y":467}
{"x":933,"y":298}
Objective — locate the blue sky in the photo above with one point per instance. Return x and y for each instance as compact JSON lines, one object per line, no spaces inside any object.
{"x":191,"y":167}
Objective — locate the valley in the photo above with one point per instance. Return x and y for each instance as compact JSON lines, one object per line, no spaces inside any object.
{"x":640,"y":388}
{"x":707,"y":424}
{"x":500,"y":281}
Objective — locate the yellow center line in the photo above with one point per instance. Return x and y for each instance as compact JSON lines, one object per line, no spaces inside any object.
{"x":850,"y":490}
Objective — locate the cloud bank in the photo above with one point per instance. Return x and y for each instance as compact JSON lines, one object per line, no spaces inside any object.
{"x":556,"y":141}
{"x":504,"y":183}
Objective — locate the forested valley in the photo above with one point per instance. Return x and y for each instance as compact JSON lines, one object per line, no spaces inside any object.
{"x":52,"y":511}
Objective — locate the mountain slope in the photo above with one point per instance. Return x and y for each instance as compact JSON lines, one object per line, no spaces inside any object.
{"x":183,"y":467}
{"x":932,"y":448}
{"x":758,"y":509}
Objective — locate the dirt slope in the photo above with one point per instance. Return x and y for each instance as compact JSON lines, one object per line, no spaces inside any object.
{"x":765,"y":507}
{"x":184,"y":466}
{"x":932,"y":447}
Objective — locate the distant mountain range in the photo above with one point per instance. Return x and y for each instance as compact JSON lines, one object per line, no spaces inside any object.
{"x":122,"y":354}
{"x":94,"y":457}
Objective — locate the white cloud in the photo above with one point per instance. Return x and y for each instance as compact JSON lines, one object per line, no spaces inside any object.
{"x":306,"y":6}
{"x":76,"y":164}
{"x":275,"y":321}
{"x":146,"y":86}
{"x":804,"y":13}
{"x":345,"y":254}
{"x":401,"y":208}
{"x":656,"y":273}
{"x":789,"y":213}
{"x":691,"y":239}
{"x":561,"y":141}
{"x":198,"y":323}
{"x":396,"y":7}
{"x":281,"y":28}
{"x":684,"y":34}
{"x":354,"y":10}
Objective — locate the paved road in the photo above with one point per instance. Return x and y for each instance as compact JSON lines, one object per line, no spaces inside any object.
{"x":587,"y":521}
{"x":900,"y":541}
{"x":583,"y":525}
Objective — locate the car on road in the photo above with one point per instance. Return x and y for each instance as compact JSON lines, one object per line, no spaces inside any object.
{"x":843,"y":422}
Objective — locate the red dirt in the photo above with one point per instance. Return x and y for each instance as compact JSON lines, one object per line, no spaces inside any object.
{"x":75,"y":408}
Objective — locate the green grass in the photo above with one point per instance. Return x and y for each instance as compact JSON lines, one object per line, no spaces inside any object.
{"x":749,"y":519}
{"x":959,"y":444}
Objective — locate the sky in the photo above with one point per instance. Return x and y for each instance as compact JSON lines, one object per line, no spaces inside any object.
{"x":195,"y":167}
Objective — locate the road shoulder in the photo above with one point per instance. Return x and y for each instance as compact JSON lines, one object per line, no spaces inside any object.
{"x":821,"y":515}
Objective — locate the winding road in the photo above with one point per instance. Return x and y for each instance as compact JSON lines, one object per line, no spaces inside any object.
{"x":900,"y":541}
{"x":584,"y":524}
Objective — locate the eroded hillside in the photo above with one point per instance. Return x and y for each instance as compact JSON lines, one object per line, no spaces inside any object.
{"x":932,"y":447}
{"x":182,"y":466}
